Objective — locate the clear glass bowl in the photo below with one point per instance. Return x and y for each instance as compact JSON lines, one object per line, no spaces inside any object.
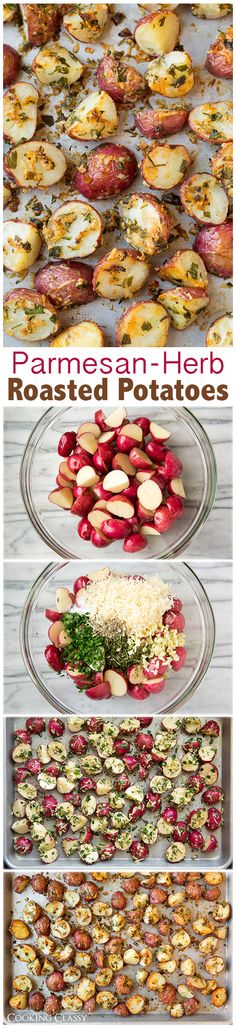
{"x":60,"y":691}
{"x":59,"y":530}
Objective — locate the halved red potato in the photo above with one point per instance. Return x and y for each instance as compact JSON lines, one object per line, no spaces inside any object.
{"x":55,"y":64}
{"x":164,"y":166}
{"x":221,"y":332}
{"x":9,"y":11}
{"x":171,"y":75}
{"x":62,"y":497}
{"x":87,"y":333}
{"x":219,"y":58}
{"x":29,"y":316}
{"x":211,"y":11}
{"x":86,"y":22}
{"x":161,"y":122}
{"x":11,"y":64}
{"x":158,"y":32}
{"x":105,"y":171}
{"x":120,"y":274}
{"x":215,"y":245}
{"x":66,"y":283}
{"x":20,"y":112}
{"x":35,"y":164}
{"x":21,"y":244}
{"x":143,"y":324}
{"x":212,"y":122}
{"x":146,"y":223}
{"x":7,"y":193}
{"x":74,"y":230}
{"x":121,"y":81}
{"x":204,"y":199}
{"x":185,"y":269}
{"x":94,"y":118}
{"x":41,"y":22}
{"x":183,"y":305}
{"x":222,"y":167}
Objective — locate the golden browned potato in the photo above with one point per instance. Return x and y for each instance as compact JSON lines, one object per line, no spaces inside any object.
{"x":19,"y":929}
{"x":19,"y":1002}
{"x":22,"y":983}
{"x":219,"y":997}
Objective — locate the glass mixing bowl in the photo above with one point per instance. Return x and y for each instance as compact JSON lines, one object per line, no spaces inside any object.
{"x":60,"y":691}
{"x":59,"y":531}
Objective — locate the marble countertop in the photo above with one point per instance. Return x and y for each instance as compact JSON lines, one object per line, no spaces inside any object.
{"x":21,"y":540}
{"x":214,"y":695}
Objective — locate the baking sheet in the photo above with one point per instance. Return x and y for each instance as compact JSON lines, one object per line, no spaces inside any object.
{"x":195,"y":36}
{"x":156,"y":859}
{"x":13,"y":907}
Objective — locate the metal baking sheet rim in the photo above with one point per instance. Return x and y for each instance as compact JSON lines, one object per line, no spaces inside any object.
{"x":223,"y":861}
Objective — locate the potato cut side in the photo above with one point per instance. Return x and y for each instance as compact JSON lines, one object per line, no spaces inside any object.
{"x":87,"y":477}
{"x":116,"y":481}
{"x":122,"y":461}
{"x":177,"y":487}
{"x":87,"y":22}
{"x":35,"y":165}
{"x":204,"y":199}
{"x":74,"y":230}
{"x":55,"y":64}
{"x":90,"y":427}
{"x":88,"y":442}
{"x":94,"y":118}
{"x":158,"y":431}
{"x":185,"y":268}
{"x":120,"y":506}
{"x":165,"y":166}
{"x":63,"y":600}
{"x":120,"y":274}
{"x":221,"y":332}
{"x":117,"y":682}
{"x":66,"y":472}
{"x":116,"y":418}
{"x":213,"y":121}
{"x":29,"y":316}
{"x":171,"y":75}
{"x":182,"y":306}
{"x":83,"y":335}
{"x":210,"y":11}
{"x":148,"y":529}
{"x":146,"y":222}
{"x":158,"y":32}
{"x":150,"y":495}
{"x":21,"y":245}
{"x":20,"y":112}
{"x":132,"y":431}
{"x":62,"y":497}
{"x":96,"y":518}
{"x":143,"y":324}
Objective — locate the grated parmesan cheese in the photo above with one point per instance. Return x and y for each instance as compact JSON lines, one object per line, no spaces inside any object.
{"x":135,"y":606}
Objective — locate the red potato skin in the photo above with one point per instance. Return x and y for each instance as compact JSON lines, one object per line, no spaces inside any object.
{"x":121,"y":81}
{"x":42,"y":20}
{"x":214,"y":243}
{"x":219,"y":58}
{"x":66,"y":283}
{"x":157,"y":124}
{"x":11,"y":65}
{"x":100,"y":174}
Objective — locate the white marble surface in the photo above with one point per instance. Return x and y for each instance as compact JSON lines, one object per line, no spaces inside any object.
{"x":21,"y":540}
{"x":214,"y":695}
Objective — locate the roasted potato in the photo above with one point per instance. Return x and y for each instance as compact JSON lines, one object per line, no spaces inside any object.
{"x":9,"y":11}
{"x":212,"y":122}
{"x":86,"y":22}
{"x":19,"y":1002}
{"x":88,"y":333}
{"x":204,"y":199}
{"x":171,"y":75}
{"x":66,"y":284}
{"x":146,"y":223}
{"x":183,"y":305}
{"x":11,"y":64}
{"x":219,"y":997}
{"x":157,"y":33}
{"x":164,"y":166}
{"x":210,"y":11}
{"x":22,"y":983}
{"x":94,"y":118}
{"x":74,"y":230}
{"x":105,"y":171}
{"x":35,"y":165}
{"x":29,"y":316}
{"x":221,"y":332}
{"x":143,"y":324}
{"x":161,"y":122}
{"x":21,"y":245}
{"x":221,"y":912}
{"x":222,"y":167}
{"x":120,"y":274}
{"x":215,"y":245}
{"x":55,"y":64}
{"x":123,"y":82}
{"x":41,"y":22}
{"x":19,"y":929}
{"x":185,"y":269}
{"x":20,"y":113}
{"x":219,"y":58}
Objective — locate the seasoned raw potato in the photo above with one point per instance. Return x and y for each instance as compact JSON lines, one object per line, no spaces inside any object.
{"x":211,"y":10}
{"x":66,"y":283}
{"x":215,"y":244}
{"x":185,"y":268}
{"x":105,"y":171}
{"x":176,"y":852}
{"x":183,"y":305}
{"x":19,"y":929}
{"x":20,"y":112}
{"x":19,"y":1002}
{"x":74,"y":230}
{"x":219,"y":997}
{"x":94,"y":118}
{"x":7,"y":193}
{"x":56,"y":64}
{"x":221,"y":332}
{"x":121,"y":81}
{"x":219,"y":58}
{"x":30,"y":317}
{"x":212,"y":122}
{"x":35,"y":165}
{"x":9,"y":11}
{"x":21,"y":244}
{"x":222,"y":167}
{"x":143,"y":324}
{"x":146,"y":223}
{"x":87,"y":22}
{"x":88,"y":333}
{"x":41,"y":22}
{"x":161,"y":122}
{"x":164,"y":166}
{"x":11,"y":64}
{"x":171,"y":75}
{"x":204,"y":199}
{"x":120,"y":274}
{"x":157,"y":33}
